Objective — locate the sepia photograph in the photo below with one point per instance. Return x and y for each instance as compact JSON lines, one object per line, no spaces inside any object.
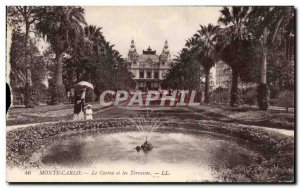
{"x":151,"y":94}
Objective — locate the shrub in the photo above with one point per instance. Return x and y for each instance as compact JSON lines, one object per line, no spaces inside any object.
{"x":286,"y":99}
{"x":221,"y":95}
{"x":250,"y":96}
{"x":57,"y":94}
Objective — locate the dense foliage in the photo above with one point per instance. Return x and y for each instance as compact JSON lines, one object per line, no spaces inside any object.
{"x":77,"y":51}
{"x":25,"y":82}
{"x":184,"y":75}
{"x":258,"y":44}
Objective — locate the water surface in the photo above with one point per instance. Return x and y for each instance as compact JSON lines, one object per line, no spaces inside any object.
{"x":198,"y":155}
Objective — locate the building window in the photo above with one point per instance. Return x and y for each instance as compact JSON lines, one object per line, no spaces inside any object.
{"x":148,"y":74}
{"x":156,"y":75}
{"x":163,"y":62}
{"x":134,"y":62}
{"x":142,"y":74}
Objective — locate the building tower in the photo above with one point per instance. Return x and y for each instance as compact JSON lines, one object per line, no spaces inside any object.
{"x":132,"y":54}
{"x":165,"y":55}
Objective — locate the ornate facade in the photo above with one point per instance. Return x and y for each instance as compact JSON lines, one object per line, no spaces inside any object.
{"x":148,"y":69}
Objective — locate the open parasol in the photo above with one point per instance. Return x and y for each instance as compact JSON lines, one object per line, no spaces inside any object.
{"x":85,"y":84}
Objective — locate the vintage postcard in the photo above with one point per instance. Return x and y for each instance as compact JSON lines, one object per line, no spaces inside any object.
{"x":151,"y":94}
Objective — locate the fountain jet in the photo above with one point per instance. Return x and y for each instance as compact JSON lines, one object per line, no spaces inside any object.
{"x":141,"y":123}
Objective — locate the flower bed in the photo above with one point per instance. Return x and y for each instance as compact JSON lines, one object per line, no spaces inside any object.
{"x":278,"y":150}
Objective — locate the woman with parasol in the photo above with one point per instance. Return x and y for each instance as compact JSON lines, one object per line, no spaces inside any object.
{"x":80,"y":99}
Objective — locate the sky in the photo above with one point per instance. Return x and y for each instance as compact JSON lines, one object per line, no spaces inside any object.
{"x":150,"y":26}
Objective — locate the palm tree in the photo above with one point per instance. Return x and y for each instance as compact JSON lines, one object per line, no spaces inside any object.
{"x":94,"y":38}
{"x":62,"y":27}
{"x":186,"y":74}
{"x":109,"y":64}
{"x":206,"y":39}
{"x":267,"y":22}
{"x":234,"y":43}
{"x":93,"y":49}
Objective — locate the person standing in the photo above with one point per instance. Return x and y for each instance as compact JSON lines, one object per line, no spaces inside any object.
{"x":79,"y":106}
{"x":88,"y":112}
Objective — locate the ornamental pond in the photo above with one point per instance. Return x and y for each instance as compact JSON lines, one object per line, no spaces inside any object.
{"x":200,"y":155}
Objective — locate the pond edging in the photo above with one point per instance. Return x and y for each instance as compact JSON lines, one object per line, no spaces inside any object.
{"x":279,"y":163}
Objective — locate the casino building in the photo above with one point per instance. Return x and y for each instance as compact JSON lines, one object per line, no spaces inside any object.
{"x":148,"y":68}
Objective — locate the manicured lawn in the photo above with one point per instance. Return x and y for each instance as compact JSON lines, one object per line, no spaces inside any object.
{"x":242,"y":115}
{"x":248,"y":116}
{"x":39,"y":114}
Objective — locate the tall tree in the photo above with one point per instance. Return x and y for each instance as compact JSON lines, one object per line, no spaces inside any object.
{"x":234,"y":44}
{"x":18,"y":69}
{"x":21,"y":18}
{"x":268,"y":23}
{"x":206,"y":39}
{"x":62,"y":27}
{"x":81,"y":63}
{"x":186,"y":74}
{"x":96,"y":61}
